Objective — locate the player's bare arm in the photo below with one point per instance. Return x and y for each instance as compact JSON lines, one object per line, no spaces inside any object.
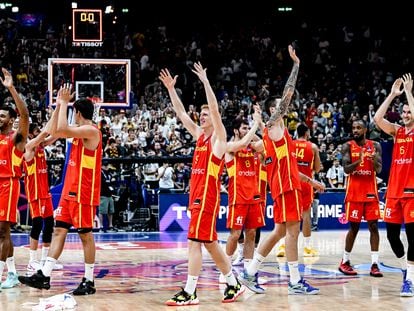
{"x":169,"y":83}
{"x":379,"y":117}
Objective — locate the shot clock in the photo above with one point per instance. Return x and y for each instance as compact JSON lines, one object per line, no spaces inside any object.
{"x":87,"y":27}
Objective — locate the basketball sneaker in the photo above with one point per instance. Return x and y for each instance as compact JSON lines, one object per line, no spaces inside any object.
{"x":281,"y":251}
{"x":238,"y":261}
{"x":11,"y":281}
{"x":86,"y":287}
{"x":302,"y":288}
{"x":375,"y":271}
{"x":407,"y":289}
{"x":37,"y":280}
{"x":346,"y":268}
{"x":182,"y":298}
{"x":232,"y":292}
{"x":309,"y":252}
{"x":251,"y":282}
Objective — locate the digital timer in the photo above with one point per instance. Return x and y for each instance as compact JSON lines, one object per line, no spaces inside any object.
{"x":87,"y":25}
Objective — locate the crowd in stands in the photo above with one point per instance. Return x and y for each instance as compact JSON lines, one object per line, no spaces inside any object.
{"x":345,"y":74}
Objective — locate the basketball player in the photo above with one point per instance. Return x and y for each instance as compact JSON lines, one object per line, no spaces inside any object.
{"x":399,"y":204}
{"x":204,"y":198}
{"x":81,"y":190}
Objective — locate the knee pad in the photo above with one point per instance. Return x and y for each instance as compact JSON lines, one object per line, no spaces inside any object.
{"x":37,"y":224}
{"x":47,"y":229}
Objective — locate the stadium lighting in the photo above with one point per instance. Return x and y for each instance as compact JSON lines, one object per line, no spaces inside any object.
{"x":15,"y":9}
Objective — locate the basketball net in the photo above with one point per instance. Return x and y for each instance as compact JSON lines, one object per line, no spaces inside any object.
{"x":97,"y":106}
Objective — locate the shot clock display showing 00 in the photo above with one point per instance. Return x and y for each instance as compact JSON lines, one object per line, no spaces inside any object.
{"x":87,"y":27}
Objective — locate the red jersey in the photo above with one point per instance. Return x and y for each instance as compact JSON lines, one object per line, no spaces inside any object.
{"x":305,"y":158}
{"x":401,"y":180}
{"x":361,"y":184}
{"x":243,"y":182}
{"x":281,"y":164}
{"x":10,"y":157}
{"x":262,"y":181}
{"x":36,"y":181}
{"x":205,"y":177}
{"x":83,"y":174}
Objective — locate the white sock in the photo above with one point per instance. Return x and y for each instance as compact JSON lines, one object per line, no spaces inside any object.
{"x":48,"y":266}
{"x":306,"y":241}
{"x":410,"y":272}
{"x":240,"y":249}
{"x":246,"y":263}
{"x":346,"y":256}
{"x":11,"y":267}
{"x":374,"y":257}
{"x":191,"y":284}
{"x":294,"y":272}
{"x":33,"y":255}
{"x":255,"y":264}
{"x":403,"y":262}
{"x":2,"y":264}
{"x":89,"y":269}
{"x":45,"y":251}
{"x":231,"y":279}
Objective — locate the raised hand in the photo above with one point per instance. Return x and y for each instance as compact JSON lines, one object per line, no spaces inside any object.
{"x":293,"y":55}
{"x":8,"y":79}
{"x":200,"y":72}
{"x":407,"y":82}
{"x":396,"y":87}
{"x":64,"y":94}
{"x":167,"y":79}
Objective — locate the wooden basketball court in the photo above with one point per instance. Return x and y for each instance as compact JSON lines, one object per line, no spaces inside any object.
{"x":140,"y":271}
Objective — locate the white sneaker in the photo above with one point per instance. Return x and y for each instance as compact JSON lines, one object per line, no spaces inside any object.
{"x":262,"y":281}
{"x":33,"y":266}
{"x":238,"y":261}
{"x":222,"y":279}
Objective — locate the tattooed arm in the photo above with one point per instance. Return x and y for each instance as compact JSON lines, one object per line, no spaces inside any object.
{"x":289,"y":89}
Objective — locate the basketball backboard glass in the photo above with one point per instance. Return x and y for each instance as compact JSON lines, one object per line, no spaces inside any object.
{"x":106,"y":81}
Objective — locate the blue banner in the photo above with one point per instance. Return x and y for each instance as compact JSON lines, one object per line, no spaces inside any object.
{"x":174,"y":216}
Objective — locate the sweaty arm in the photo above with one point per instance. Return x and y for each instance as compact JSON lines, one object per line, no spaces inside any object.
{"x":383,"y":124}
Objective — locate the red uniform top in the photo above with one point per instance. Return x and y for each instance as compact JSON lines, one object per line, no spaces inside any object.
{"x":305,"y":158}
{"x":281,"y":164}
{"x":243,"y":182}
{"x":83,"y":174}
{"x":262,"y":181}
{"x":36,"y":181}
{"x":10,"y":157}
{"x":401,"y":180}
{"x":361,"y":184}
{"x":205,"y":177}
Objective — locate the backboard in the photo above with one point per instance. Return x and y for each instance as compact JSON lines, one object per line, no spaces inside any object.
{"x":106,"y":81}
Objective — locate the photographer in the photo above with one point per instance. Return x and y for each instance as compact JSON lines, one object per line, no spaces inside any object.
{"x":106,"y":207}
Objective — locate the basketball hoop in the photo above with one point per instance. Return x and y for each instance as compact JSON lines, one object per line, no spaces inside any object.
{"x":97,"y":106}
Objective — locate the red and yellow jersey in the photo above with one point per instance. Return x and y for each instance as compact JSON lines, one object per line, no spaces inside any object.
{"x":262,"y":181}
{"x":243,"y":182}
{"x":205,"y":177}
{"x":304,"y":157}
{"x":361,"y":185}
{"x":83,"y":174}
{"x":401,"y":180}
{"x":281,"y":164}
{"x":10,"y":157}
{"x":36,"y":181}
